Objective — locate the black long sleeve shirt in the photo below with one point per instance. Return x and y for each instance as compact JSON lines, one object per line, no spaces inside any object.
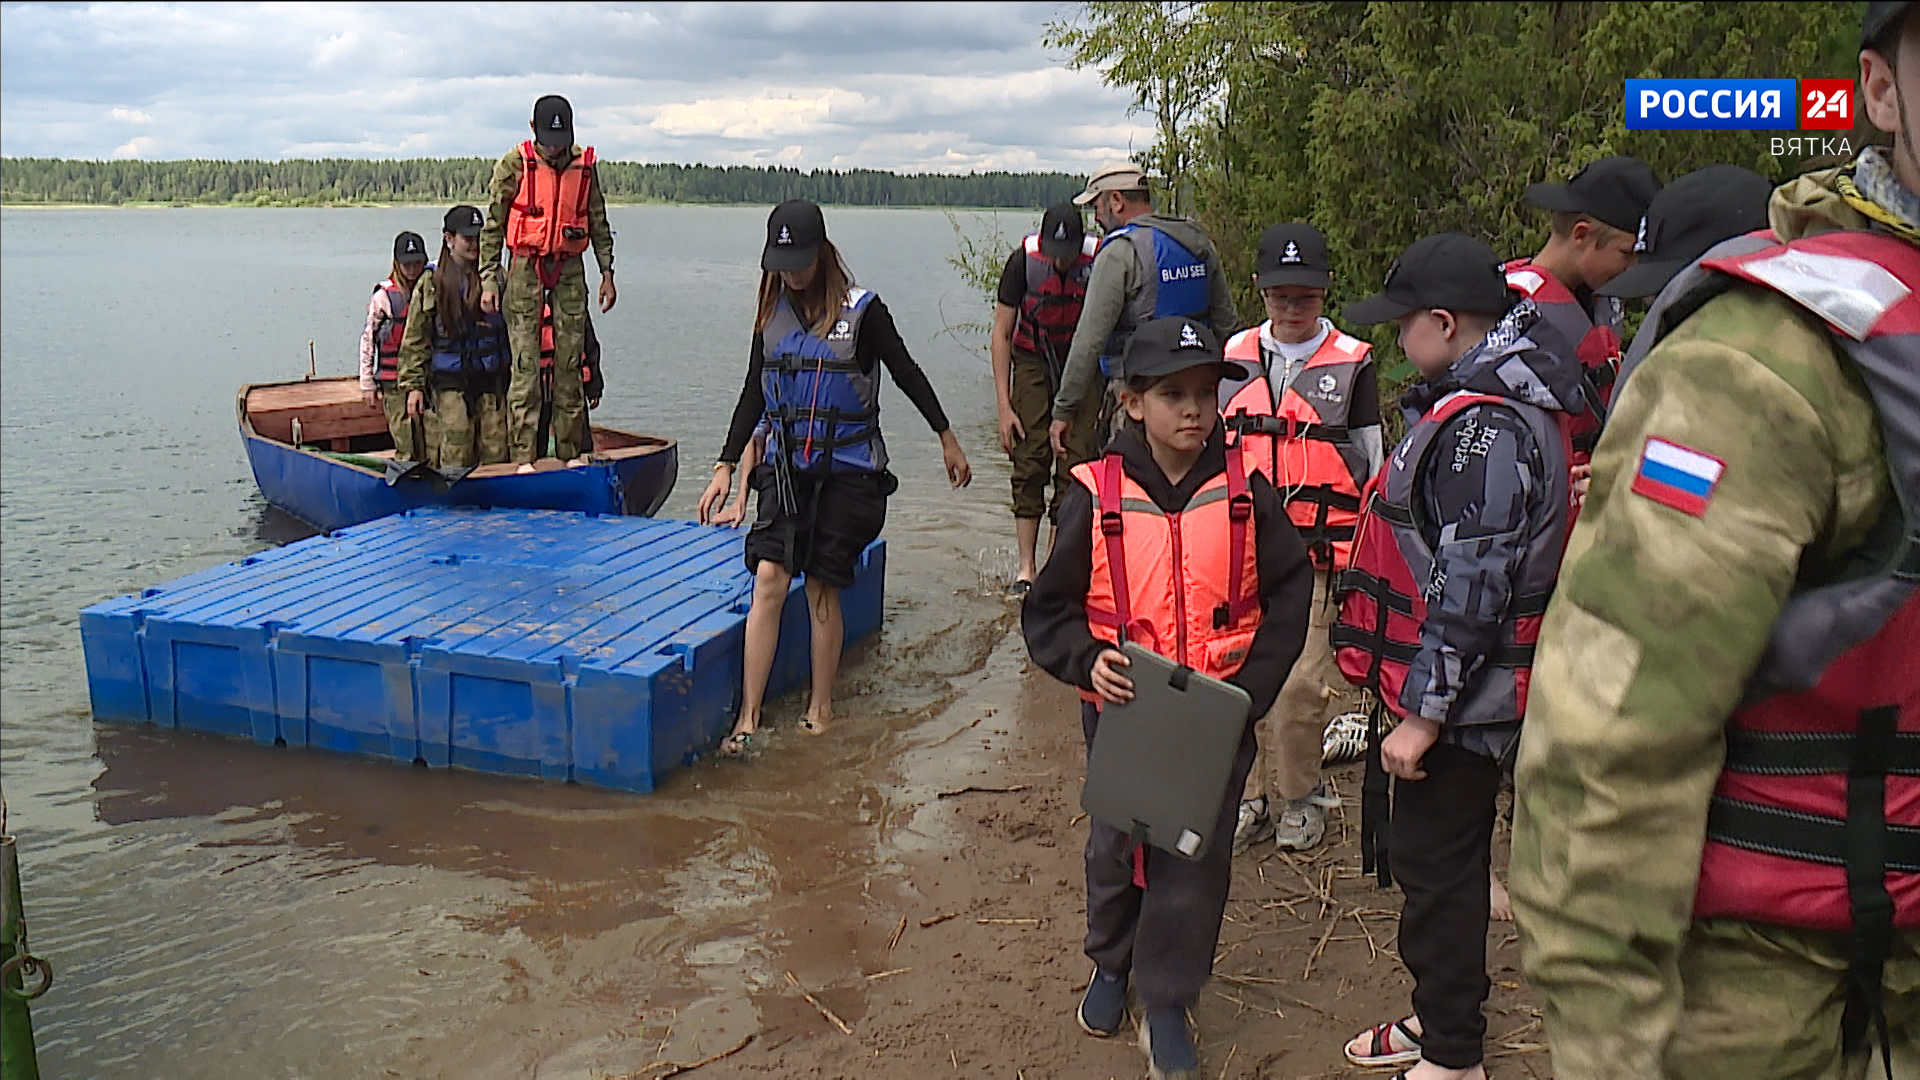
{"x":1054,"y":617}
{"x":877,"y":341}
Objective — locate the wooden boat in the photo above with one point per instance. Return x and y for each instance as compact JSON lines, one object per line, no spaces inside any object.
{"x":319,"y":452}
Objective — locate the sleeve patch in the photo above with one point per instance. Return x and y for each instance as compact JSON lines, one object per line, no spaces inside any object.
{"x":1677,"y":477}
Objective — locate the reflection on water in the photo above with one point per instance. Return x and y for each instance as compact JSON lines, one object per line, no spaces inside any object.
{"x":218,"y":908}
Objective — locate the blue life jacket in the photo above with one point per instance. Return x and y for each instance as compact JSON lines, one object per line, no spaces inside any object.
{"x":823,"y":410}
{"x":1173,"y":282}
{"x":477,"y":363}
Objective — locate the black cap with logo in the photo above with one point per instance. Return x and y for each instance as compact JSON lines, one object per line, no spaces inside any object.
{"x":408,"y":247}
{"x":1614,"y":189}
{"x":1062,"y":233}
{"x":1689,"y":216}
{"x":1882,"y":19}
{"x":1165,"y":346}
{"x":1447,"y":271}
{"x":464,"y":220}
{"x":1292,"y":254}
{"x":795,"y":231}
{"x":553,"y":121}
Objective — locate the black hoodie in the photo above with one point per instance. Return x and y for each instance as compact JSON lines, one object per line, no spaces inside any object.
{"x":1054,"y":617}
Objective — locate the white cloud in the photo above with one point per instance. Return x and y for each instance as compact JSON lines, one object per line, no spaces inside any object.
{"x":135,"y":147}
{"x":944,"y":87}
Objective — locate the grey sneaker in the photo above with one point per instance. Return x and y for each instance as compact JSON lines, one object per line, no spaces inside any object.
{"x":1253,"y":825}
{"x":1303,"y":822}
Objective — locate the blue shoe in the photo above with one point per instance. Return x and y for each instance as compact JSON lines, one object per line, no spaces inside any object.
{"x":1103,"y":1008}
{"x":1167,"y":1038}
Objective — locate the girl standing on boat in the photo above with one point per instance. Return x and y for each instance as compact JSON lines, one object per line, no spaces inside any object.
{"x":380,"y":340}
{"x":454,"y":359}
{"x":818,"y":344}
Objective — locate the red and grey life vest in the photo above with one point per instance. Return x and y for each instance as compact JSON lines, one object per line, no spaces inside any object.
{"x":1303,"y":446}
{"x":1383,"y":594}
{"x":1184,"y":584}
{"x":1051,"y":307}
{"x":548,"y":215}
{"x":1596,"y":332}
{"x":389,"y":330}
{"x":1173,"y":282}
{"x":1816,"y":820}
{"x":825,"y":411}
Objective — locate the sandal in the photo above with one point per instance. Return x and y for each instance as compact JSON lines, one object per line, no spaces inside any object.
{"x":738,"y":745}
{"x":1380,"y":1045}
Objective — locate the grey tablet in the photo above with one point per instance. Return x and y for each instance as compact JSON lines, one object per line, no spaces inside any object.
{"x":1161,"y":762}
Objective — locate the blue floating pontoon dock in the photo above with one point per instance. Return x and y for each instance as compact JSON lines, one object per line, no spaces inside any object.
{"x":601,"y":649}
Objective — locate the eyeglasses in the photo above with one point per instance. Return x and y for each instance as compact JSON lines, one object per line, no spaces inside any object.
{"x":1294,"y":301}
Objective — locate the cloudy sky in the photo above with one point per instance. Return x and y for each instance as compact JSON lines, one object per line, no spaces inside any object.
{"x":943,"y":87}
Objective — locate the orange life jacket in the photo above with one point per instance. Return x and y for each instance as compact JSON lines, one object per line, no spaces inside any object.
{"x":1185,"y":584}
{"x":1304,"y":448}
{"x":548,"y":216}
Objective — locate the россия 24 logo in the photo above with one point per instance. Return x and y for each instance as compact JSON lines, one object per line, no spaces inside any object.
{"x":1739,"y":104}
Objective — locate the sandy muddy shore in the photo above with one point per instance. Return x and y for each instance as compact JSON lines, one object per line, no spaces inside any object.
{"x":933,"y":908}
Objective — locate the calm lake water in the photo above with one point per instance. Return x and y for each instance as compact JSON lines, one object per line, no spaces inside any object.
{"x":215,"y":908}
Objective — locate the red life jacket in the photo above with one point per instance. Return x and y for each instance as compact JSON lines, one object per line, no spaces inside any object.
{"x":388,"y":332}
{"x":1185,"y":584}
{"x":548,"y":216}
{"x":1051,"y":307}
{"x":1303,"y":448}
{"x":1596,"y":334}
{"x":1816,"y":819}
{"x":1382,"y":595}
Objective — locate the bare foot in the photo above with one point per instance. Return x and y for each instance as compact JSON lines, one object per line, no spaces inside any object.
{"x":1497,"y":897}
{"x":816,"y":723}
{"x":1427,"y":1070}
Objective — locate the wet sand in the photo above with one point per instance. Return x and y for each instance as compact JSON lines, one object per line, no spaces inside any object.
{"x":939,"y":924}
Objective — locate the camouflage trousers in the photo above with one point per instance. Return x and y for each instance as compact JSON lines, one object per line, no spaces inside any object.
{"x":1765,"y":1001}
{"x":393,"y":402}
{"x":521,"y":304}
{"x":461,"y":438}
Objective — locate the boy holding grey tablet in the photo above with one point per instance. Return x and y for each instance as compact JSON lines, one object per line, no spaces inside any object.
{"x":1169,"y":543}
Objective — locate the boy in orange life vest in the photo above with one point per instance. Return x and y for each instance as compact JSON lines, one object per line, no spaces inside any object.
{"x":1455,"y":557}
{"x":1598,"y":230}
{"x":1039,"y":300}
{"x":1309,"y":421}
{"x":1153,"y":919}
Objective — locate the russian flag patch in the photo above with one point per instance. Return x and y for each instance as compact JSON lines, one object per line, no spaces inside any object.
{"x":1672,"y":475}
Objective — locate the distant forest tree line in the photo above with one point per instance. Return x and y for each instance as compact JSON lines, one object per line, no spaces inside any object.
{"x":330,"y":181}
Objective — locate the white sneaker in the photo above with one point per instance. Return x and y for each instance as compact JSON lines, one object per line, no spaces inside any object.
{"x":1301,"y":825}
{"x":1252,"y":825}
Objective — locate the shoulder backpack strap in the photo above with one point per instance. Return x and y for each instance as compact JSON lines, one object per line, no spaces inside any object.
{"x":1112,"y":528}
{"x":1240,"y":522}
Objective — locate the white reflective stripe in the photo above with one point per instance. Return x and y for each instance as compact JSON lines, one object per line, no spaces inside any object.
{"x":1032,"y":243}
{"x":1347,"y":343}
{"x":1849,"y":293}
{"x":1090,"y":246}
{"x":1526,"y":281}
{"x":854,"y":296}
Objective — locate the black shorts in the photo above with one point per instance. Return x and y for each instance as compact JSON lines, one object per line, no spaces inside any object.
{"x":837,"y":516}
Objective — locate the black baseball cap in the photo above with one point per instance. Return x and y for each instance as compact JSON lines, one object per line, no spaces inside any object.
{"x":1292,"y":254}
{"x":1689,"y":216}
{"x":795,"y":231}
{"x":553,"y":121}
{"x":408,"y":247}
{"x":1165,"y":346}
{"x":1614,"y":189}
{"x":464,"y":220}
{"x":1882,"y":19}
{"x":1446,"y":271}
{"x":1062,"y":233}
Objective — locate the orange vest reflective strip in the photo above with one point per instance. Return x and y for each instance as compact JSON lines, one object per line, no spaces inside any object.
{"x":548,"y":215}
{"x":1301,"y":454}
{"x":1157,"y":577}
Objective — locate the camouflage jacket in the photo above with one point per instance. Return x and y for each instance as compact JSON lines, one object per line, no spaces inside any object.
{"x":1657,"y":621}
{"x":504,"y":186}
